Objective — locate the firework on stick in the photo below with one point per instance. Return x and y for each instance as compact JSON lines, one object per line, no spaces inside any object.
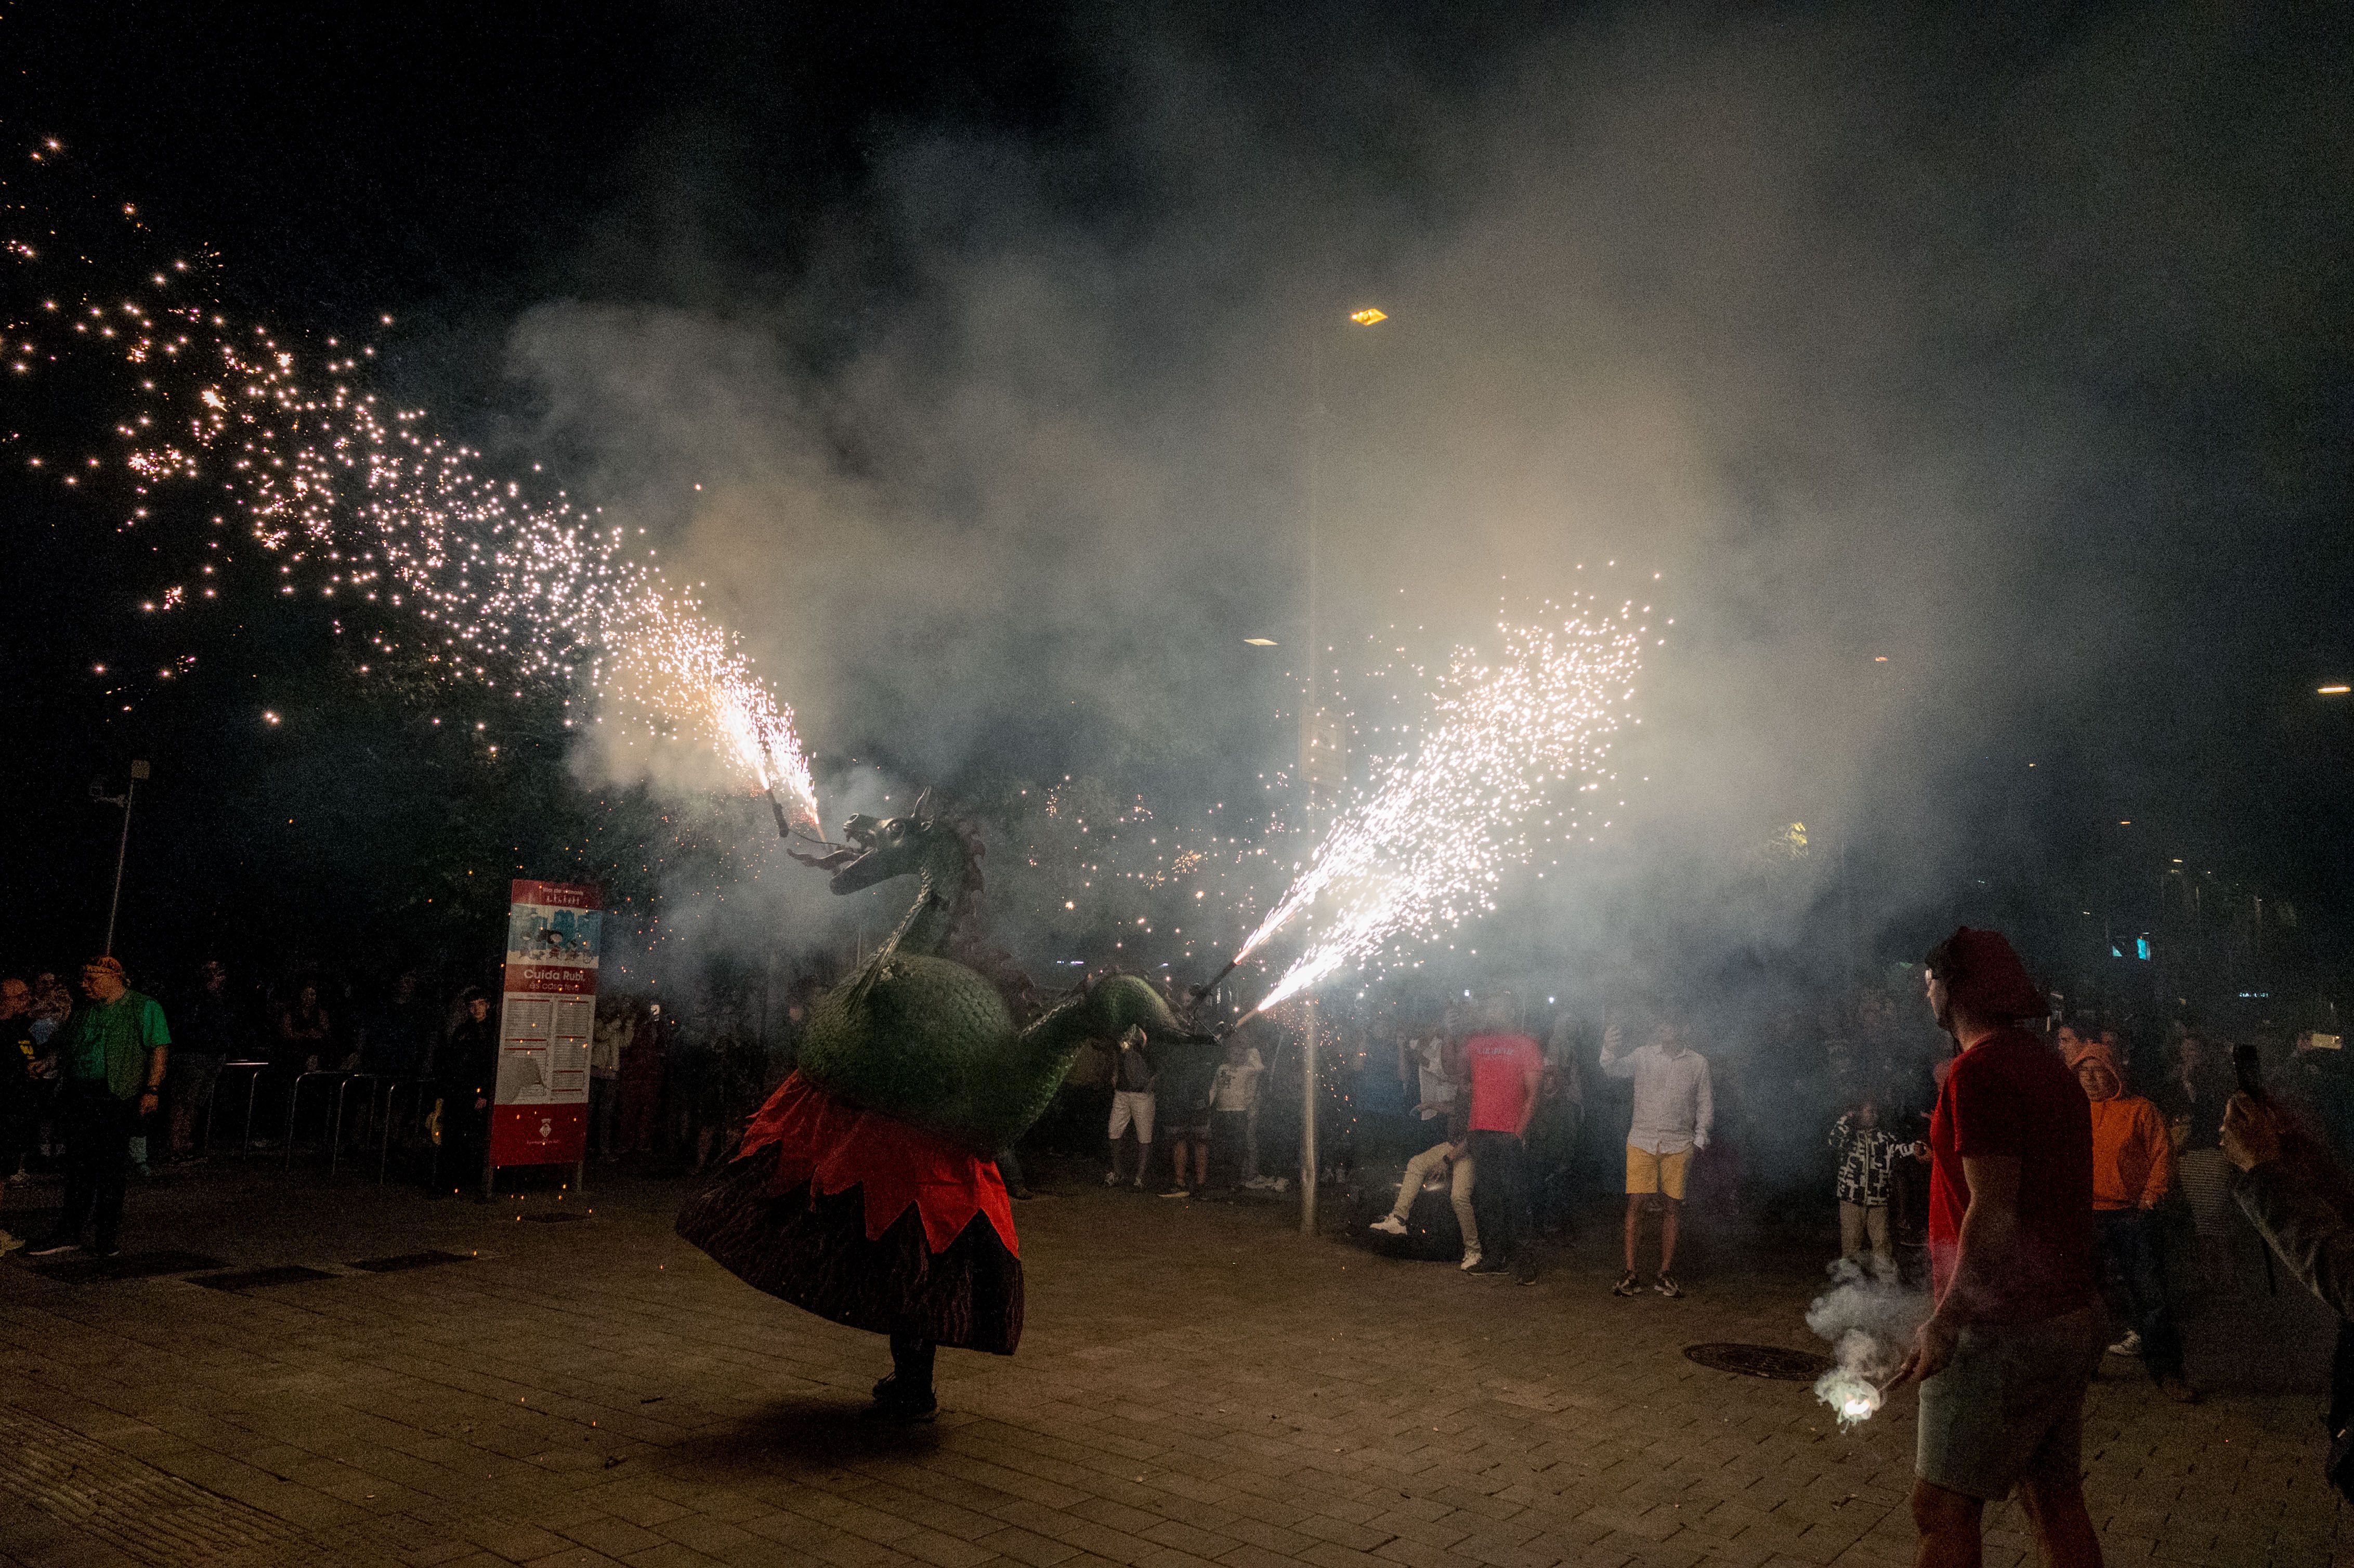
{"x":359,"y":503}
{"x":1516,"y":753}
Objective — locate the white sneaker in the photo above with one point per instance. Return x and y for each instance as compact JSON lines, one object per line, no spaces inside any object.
{"x":1470,"y":1260}
{"x":1111,"y":1178}
{"x":2128,"y":1346}
{"x":1389,"y":1225}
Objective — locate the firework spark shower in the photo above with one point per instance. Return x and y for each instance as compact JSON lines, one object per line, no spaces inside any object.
{"x":1516,"y":752}
{"x":355,"y":502}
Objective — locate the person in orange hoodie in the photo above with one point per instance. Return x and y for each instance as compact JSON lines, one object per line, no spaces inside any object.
{"x":2133,"y":1170}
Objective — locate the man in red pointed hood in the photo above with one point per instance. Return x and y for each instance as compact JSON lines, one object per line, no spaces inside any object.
{"x":2018,"y":1328}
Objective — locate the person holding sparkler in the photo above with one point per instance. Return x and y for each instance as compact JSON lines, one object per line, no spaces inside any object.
{"x":2018,"y":1330}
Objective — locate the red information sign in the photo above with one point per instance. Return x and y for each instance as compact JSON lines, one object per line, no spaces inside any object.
{"x":540,"y":1111}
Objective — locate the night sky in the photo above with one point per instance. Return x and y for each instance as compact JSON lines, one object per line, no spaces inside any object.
{"x":2004,"y":359}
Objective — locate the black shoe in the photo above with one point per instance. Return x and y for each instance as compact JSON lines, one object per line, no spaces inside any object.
{"x":903,"y":1407}
{"x":54,"y":1245}
{"x":1524,"y":1275}
{"x":903,"y":1411}
{"x":1490,"y":1265}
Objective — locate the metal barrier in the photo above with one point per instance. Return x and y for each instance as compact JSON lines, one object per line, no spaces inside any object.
{"x":391,"y":1084}
{"x":253,"y":1071}
{"x":335,"y":1124}
{"x":294,"y":1106}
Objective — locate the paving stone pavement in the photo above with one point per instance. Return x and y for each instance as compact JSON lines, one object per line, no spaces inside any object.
{"x":1198,"y":1383}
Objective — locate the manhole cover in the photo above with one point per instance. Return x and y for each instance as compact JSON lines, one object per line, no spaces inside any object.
{"x":252,"y":1278}
{"x":1761,"y":1360}
{"x":408,"y":1260}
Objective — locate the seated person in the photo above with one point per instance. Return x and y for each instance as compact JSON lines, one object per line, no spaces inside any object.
{"x":1453,"y":1156}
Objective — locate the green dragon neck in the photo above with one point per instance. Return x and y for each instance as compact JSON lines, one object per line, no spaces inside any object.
{"x":947,"y":878}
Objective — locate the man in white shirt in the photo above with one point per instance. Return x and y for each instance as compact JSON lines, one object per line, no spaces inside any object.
{"x":1234,"y":1098}
{"x":1673,"y":1111}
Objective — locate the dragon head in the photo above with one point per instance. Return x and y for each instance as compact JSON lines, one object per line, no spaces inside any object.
{"x":925,"y":839}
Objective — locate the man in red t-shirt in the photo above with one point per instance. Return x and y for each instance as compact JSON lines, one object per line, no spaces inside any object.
{"x":1505,"y":1067}
{"x":2018,"y":1328}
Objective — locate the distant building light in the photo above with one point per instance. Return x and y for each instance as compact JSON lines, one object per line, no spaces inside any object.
{"x":1259,"y":641}
{"x":1368,"y":316}
{"x":2334,"y":691}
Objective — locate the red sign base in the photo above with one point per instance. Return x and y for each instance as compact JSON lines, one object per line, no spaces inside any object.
{"x":538,"y":1135}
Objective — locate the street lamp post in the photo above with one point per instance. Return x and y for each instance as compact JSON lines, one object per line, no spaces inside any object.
{"x":123,"y":845}
{"x":1309,"y":714}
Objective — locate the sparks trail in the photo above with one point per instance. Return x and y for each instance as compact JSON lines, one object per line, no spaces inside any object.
{"x":376,"y":508}
{"x":1424,"y":848}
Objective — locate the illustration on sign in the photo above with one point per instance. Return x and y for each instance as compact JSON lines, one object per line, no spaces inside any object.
{"x":538,"y":934}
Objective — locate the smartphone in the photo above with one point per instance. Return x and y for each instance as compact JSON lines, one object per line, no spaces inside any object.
{"x":2248,"y":1068}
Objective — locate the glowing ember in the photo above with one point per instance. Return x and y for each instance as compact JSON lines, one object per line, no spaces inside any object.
{"x":1424,"y":847}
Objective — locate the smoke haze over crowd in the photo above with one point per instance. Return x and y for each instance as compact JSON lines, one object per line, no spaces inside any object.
{"x":1879,"y":341}
{"x":1975,"y":388}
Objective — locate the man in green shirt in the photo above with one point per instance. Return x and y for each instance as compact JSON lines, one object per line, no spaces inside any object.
{"x":111,"y":1067}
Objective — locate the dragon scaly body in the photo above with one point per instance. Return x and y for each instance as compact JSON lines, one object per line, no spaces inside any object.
{"x":926,"y":1040}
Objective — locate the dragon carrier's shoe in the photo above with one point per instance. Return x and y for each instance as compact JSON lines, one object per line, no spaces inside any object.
{"x":866,"y":1190}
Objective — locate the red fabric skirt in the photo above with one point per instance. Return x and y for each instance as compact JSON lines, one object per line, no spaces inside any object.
{"x":865,"y":1221}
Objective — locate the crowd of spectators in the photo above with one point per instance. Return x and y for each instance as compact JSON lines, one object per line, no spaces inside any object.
{"x":101,"y":1083}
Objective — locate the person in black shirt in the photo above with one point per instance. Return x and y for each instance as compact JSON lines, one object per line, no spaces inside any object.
{"x":210,"y":1033}
{"x":2298,"y":1199}
{"x":468,"y":1072}
{"x":19,"y":1104}
{"x":2192,"y":1099}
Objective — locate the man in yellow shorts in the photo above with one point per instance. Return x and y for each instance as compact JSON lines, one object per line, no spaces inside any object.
{"x":1673,"y":1111}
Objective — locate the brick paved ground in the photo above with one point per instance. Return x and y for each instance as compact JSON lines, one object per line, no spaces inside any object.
{"x":1198,"y":1385}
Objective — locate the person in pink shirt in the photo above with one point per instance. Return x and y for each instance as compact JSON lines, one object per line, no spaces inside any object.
{"x":1505,"y":1068}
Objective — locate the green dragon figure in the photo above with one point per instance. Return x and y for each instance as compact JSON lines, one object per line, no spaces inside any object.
{"x":929,"y":1041}
{"x":867,"y":1190}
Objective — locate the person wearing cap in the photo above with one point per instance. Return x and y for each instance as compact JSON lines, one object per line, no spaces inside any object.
{"x":2018,"y":1328}
{"x":111,"y":1059}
